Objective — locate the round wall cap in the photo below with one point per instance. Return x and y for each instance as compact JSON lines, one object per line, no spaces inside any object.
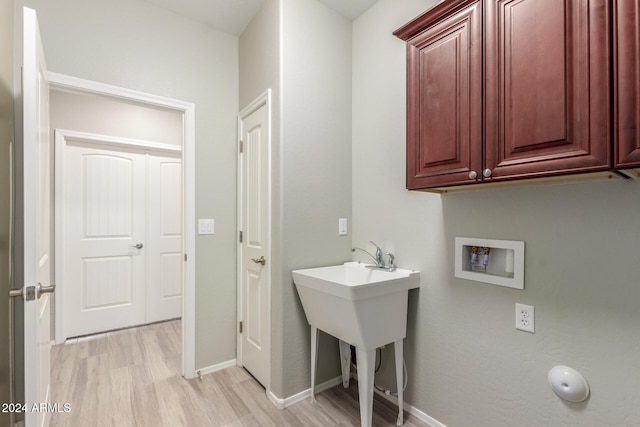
{"x":568,"y":383}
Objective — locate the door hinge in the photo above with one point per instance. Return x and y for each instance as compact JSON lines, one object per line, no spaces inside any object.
{"x":240,"y":326}
{"x":241,"y":146}
{"x":185,"y":257}
{"x":240,"y":235}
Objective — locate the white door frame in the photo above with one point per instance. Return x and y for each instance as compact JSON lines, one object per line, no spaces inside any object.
{"x":264,"y":99}
{"x":61,"y":81}
{"x":61,"y":138}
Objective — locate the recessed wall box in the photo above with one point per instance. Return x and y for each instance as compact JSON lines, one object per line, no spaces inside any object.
{"x":499,"y":262}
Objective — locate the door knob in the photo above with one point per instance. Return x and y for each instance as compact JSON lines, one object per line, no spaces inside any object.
{"x":473,"y":175}
{"x":45,"y":289}
{"x":29,"y":293}
{"x":260,"y":260}
{"x":486,"y":173}
{"x":13,"y":293}
{"x":137,"y":246}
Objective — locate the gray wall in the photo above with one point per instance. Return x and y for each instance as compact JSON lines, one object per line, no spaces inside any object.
{"x":316,"y":169}
{"x":6,"y":138}
{"x":135,"y":45}
{"x":114,"y":117}
{"x":467,"y":364}
{"x":312,"y":163}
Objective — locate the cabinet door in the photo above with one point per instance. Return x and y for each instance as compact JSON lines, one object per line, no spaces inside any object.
{"x":444,"y":100}
{"x":547,"y":87}
{"x":626,"y":22}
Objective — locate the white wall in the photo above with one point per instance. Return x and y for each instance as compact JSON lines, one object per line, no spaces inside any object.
{"x":467,"y":363}
{"x":114,"y":117}
{"x":316,"y":168}
{"x":135,"y":45}
{"x":302,"y":50}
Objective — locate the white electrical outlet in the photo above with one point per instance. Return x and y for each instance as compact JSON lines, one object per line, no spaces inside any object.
{"x":525,"y":318}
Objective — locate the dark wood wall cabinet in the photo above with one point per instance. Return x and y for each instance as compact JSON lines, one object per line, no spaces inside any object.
{"x":502,"y":90}
{"x":626,"y":83}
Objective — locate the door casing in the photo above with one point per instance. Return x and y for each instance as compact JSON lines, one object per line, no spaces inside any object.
{"x":65,"y":82}
{"x":262,"y":100}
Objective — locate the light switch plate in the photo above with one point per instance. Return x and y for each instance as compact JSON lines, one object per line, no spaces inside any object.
{"x":342,"y":227}
{"x":205,"y":226}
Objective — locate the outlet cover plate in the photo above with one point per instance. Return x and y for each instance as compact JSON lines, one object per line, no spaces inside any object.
{"x":525,"y":318}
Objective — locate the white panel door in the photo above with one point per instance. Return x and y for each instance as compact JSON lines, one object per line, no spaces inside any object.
{"x":164,"y":237}
{"x":255,"y":269}
{"x":104,"y":221}
{"x":37,"y":217}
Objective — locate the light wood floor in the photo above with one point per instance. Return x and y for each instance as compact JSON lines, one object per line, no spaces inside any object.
{"x":132,"y":378}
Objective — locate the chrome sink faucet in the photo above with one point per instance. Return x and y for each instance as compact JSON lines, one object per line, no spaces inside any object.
{"x":377,"y":259}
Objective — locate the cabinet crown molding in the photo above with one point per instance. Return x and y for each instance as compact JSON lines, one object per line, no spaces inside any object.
{"x":417,"y":25}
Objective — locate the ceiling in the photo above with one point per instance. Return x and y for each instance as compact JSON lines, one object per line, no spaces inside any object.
{"x":232,"y":16}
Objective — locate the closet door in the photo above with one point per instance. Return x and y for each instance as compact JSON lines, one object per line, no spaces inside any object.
{"x":164,"y":237}
{"x":122,"y":237}
{"x":104,"y":273}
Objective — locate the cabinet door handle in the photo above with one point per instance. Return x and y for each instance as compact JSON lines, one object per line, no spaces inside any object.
{"x":473,"y":175}
{"x":486,"y":173}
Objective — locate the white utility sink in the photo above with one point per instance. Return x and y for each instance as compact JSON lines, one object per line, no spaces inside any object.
{"x":361,"y":306}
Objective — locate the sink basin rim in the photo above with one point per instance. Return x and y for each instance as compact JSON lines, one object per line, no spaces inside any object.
{"x":352,"y":280}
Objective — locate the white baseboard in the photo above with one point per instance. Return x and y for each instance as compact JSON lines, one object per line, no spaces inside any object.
{"x":292,"y":400}
{"x":422,"y":416}
{"x":213,"y":368}
{"x":412,"y":410}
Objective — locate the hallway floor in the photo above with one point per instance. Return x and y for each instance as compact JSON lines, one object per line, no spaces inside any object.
{"x":132,"y":377}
